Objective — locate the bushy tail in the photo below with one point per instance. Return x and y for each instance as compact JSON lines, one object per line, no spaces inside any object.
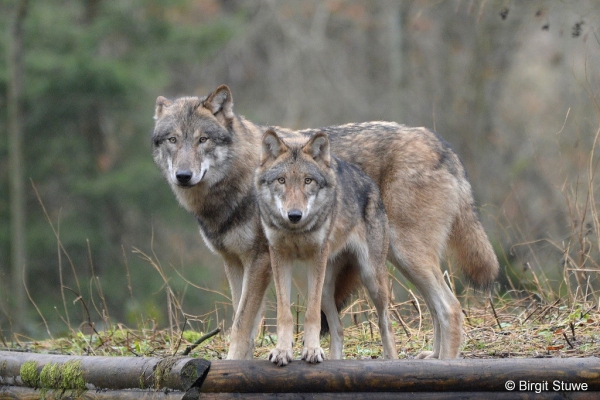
{"x":472,"y":248}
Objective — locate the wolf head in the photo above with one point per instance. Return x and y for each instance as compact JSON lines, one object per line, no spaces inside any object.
{"x":192,"y":138}
{"x":295,"y":181}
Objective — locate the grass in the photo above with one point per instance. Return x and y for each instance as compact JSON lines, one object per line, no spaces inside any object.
{"x":511,"y":326}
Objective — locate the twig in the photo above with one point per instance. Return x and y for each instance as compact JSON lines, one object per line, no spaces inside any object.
{"x":180,"y":336}
{"x":34,"y":303}
{"x":495,"y":315}
{"x":399,"y":318}
{"x":297,"y":314}
{"x":568,"y":341}
{"x":191,"y":347}
{"x":87,"y":310}
{"x":546,"y":311}
{"x":530,"y":315}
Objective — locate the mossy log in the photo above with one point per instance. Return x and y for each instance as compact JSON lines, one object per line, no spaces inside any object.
{"x":186,"y":378}
{"x":26,"y":393}
{"x":42,"y":371}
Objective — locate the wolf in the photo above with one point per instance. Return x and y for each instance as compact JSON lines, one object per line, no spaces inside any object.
{"x":315,"y":208}
{"x":208,"y":155}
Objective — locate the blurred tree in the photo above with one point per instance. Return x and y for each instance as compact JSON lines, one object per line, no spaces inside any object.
{"x":15,"y":133}
{"x":93,"y":71}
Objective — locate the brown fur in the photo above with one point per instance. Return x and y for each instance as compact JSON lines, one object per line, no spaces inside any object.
{"x":422,"y":183}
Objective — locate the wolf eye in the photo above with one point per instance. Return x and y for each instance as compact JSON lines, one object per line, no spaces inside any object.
{"x":308,"y":181}
{"x":203,"y":139}
{"x":173,"y":139}
{"x":281,"y":180}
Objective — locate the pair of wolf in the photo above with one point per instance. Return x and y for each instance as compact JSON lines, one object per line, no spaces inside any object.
{"x":345,"y":196}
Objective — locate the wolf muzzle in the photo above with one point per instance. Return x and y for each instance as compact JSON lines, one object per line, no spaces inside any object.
{"x":294,"y":216}
{"x":183,"y":176}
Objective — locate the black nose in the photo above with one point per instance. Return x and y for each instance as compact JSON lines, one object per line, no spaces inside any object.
{"x":183,"y":176}
{"x":295,"y":216}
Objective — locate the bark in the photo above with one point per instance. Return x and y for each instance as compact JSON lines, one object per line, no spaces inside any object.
{"x":397,"y":376}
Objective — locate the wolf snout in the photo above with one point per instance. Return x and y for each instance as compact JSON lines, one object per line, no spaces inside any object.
{"x":183,"y":176}
{"x":295,"y":216}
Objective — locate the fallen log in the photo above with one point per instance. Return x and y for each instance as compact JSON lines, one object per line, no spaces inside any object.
{"x":26,"y":375}
{"x":465,"y":375}
{"x":26,"y":393}
{"x":91,"y":372}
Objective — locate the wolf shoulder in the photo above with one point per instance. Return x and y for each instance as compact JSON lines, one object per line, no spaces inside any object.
{"x":358,"y":192}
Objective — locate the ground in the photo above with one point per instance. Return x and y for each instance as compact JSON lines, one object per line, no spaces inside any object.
{"x":514,"y":326}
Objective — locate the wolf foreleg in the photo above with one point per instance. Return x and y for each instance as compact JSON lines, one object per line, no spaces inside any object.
{"x":312,"y":352}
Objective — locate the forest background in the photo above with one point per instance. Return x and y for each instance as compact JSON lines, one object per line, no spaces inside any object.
{"x":512,"y":85}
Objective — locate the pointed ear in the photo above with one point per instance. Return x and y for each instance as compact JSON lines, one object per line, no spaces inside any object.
{"x":161,"y":103}
{"x":272,"y":147}
{"x":220,"y":101}
{"x":318,"y":148}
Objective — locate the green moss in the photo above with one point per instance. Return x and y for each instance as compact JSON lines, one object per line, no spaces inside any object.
{"x":67,"y":376}
{"x":190,"y":372}
{"x":49,"y":376}
{"x":162,"y":369}
{"x":29,"y":374}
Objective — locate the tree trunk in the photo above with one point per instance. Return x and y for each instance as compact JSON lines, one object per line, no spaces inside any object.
{"x":16,"y":172}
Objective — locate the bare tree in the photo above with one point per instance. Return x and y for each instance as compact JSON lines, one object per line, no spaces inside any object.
{"x":16,"y":174}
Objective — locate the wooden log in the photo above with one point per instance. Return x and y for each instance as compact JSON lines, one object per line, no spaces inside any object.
{"x":400,"y":395}
{"x":192,"y":378}
{"x":465,"y":375}
{"x":25,"y":393}
{"x":175,"y":373}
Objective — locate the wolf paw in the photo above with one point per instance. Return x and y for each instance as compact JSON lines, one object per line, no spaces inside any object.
{"x":280,"y":357}
{"x":313,"y":355}
{"x":425,"y":354}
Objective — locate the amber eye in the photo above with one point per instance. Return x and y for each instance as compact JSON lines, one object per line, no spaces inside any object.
{"x":308,"y":181}
{"x":281,"y":180}
{"x":203,"y":139}
{"x":173,"y":139}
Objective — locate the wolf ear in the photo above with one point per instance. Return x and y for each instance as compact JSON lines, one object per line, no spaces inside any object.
{"x":318,"y":148}
{"x":272,"y":147}
{"x":220,"y":101}
{"x":161,"y":103}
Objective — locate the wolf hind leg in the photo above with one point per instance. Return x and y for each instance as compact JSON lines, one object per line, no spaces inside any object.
{"x":419,"y":263}
{"x":329,"y":308}
{"x":373,"y":274}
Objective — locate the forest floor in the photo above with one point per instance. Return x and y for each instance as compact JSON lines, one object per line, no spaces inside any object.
{"x":511,"y":327}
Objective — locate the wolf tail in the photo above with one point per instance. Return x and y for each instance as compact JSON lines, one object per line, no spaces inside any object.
{"x":472,"y":248}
